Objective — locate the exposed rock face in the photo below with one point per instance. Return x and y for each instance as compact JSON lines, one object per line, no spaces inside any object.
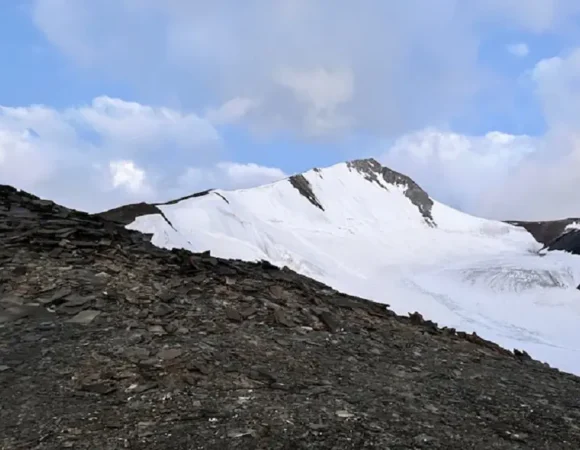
{"x":568,"y":242}
{"x":302,"y":185}
{"x":372,"y":169}
{"x":107,"y":342}
{"x":545,"y":231}
{"x":554,"y":234}
{"x":127,"y":214}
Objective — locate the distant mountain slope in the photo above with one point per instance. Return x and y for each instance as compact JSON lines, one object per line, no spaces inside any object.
{"x":372,"y":232}
{"x":547,"y":231}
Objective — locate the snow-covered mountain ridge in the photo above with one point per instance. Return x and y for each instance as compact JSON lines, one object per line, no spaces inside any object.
{"x":370,"y":231}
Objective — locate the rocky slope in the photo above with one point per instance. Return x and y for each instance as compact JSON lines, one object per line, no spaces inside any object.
{"x":568,"y":242}
{"x":561,"y":235}
{"x":107,"y":342}
{"x":545,"y":231}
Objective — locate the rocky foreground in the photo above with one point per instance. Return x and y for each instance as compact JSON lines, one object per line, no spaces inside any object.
{"x":107,"y":342}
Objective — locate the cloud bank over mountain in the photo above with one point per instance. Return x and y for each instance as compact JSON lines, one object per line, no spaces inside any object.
{"x":478,"y":102}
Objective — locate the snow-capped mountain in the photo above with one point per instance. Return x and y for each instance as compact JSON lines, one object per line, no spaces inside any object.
{"x":370,"y":231}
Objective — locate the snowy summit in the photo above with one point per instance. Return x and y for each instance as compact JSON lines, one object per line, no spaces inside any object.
{"x":372,"y":232}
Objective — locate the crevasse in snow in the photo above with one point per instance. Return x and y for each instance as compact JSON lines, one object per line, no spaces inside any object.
{"x":367,"y":237}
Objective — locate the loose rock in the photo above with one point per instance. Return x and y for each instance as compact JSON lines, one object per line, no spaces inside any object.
{"x":188,"y":351}
{"x":85,"y":317}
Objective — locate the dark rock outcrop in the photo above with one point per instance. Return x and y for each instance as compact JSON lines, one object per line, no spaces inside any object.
{"x":553,"y":234}
{"x":186,"y":197}
{"x":568,"y":242}
{"x":372,"y":169}
{"x":107,"y":342}
{"x":302,"y":185}
{"x":127,"y":214}
{"x":545,"y":231}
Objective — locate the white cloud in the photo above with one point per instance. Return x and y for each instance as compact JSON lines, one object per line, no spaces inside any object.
{"x":20,"y":161}
{"x":231,"y":111}
{"x":379,"y":68}
{"x":126,"y":174}
{"x":323,"y":92}
{"x":113,"y":152}
{"x":497,"y":176}
{"x":541,"y":188}
{"x":557,"y":81}
{"x":519,"y":49}
{"x":504,"y":176}
{"x":458,"y":169}
{"x":546,"y":185}
{"x":142,"y":127}
{"x":385,"y":66}
{"x":248,"y":175}
{"x":229,"y":175}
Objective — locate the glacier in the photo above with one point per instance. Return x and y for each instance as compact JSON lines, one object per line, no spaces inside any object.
{"x":364,"y":234}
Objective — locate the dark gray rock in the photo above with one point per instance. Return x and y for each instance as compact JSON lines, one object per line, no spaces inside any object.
{"x":330,"y":321}
{"x":372,"y":170}
{"x":170,"y":353}
{"x":84,"y":317}
{"x":302,"y":185}
{"x":545,"y":231}
{"x":162,"y":309}
{"x":234,"y":315}
{"x":568,"y":242}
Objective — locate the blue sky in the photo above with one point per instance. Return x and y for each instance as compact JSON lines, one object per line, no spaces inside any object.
{"x":36,"y":72}
{"x":123,"y":100}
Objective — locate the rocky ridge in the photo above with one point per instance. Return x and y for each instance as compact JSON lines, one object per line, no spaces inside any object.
{"x":554,"y":234}
{"x":545,"y":232}
{"x":126,"y":214}
{"x":109,"y":342}
{"x":370,"y":169}
{"x":568,"y":242}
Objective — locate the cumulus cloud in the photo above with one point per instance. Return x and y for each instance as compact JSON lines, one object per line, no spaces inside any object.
{"x":376,"y":68}
{"x":386,"y":66}
{"x":457,"y":169}
{"x":231,"y":111}
{"x":557,"y":83}
{"x":127,"y":175}
{"x":504,"y":176}
{"x":546,"y":184}
{"x":497,"y":175}
{"x":111,"y":152}
{"x":541,"y":188}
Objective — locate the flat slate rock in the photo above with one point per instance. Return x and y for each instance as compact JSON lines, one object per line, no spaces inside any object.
{"x":177,"y":350}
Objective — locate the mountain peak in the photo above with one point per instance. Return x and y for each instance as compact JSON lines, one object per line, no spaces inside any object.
{"x":371,"y":170}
